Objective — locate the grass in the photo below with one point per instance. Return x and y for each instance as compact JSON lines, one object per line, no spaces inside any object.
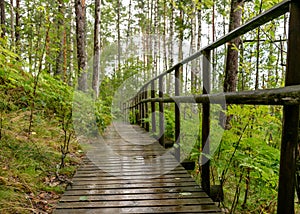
{"x":29,"y":164}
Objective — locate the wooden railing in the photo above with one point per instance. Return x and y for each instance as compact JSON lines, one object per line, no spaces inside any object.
{"x":288,"y":96}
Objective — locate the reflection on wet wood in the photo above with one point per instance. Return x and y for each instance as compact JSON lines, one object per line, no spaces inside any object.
{"x":128,"y":171}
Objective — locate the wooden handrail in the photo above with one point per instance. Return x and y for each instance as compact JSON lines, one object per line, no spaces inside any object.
{"x":259,"y":20}
{"x":288,"y":96}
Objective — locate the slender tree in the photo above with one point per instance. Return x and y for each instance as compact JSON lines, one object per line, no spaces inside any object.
{"x":96,"y":62}
{"x":12,"y":24}
{"x":119,"y":32}
{"x":81,"y":50}
{"x":232,"y":65}
{"x":60,"y":39}
{"x":232,"y":60}
{"x":17,"y":29}
{"x":3,"y":18}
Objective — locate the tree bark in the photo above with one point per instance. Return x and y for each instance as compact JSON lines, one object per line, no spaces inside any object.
{"x":60,"y":40}
{"x":12,"y":24}
{"x":180,"y":50}
{"x":96,"y":62}
{"x":198,"y":75}
{"x":232,"y":60}
{"x":119,"y":35}
{"x":3,"y":18}
{"x":17,"y":29}
{"x":232,"y":65}
{"x":80,"y":36}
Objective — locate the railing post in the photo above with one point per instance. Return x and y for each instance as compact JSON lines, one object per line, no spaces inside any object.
{"x":153,"y":119}
{"x":142,"y":109}
{"x":161,"y":113}
{"x":124,"y":111}
{"x":177,"y":114}
{"x":146,"y":109}
{"x":131,"y":109}
{"x":136,"y":110}
{"x":288,"y":154}
{"x":205,"y":176}
{"x":139,"y":108}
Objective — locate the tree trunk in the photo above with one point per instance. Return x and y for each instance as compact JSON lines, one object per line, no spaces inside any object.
{"x":119,"y":34}
{"x":170,"y":45}
{"x":17,"y":29}
{"x":192,"y":50}
{"x":80,"y":36}
{"x":198,"y":75}
{"x":12,"y":24}
{"x":60,"y":40}
{"x":180,"y":51}
{"x":232,"y":65}
{"x":232,"y":61}
{"x":96,"y":62}
{"x":258,"y":53}
{"x":3,"y":18}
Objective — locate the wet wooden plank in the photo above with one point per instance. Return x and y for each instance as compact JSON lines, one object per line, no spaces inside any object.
{"x":141,"y":178}
{"x":166,"y":209}
{"x":136,"y":203}
{"x":160,"y":196}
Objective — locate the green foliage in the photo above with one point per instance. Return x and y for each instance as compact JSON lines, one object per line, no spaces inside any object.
{"x":28,"y":165}
{"x":250,"y":151}
{"x":29,"y":162}
{"x":169,"y":124}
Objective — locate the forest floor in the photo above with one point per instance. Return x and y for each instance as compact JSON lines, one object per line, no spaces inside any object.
{"x":31,"y":180}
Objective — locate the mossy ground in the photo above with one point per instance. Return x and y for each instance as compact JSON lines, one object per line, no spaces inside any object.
{"x":30,"y":178}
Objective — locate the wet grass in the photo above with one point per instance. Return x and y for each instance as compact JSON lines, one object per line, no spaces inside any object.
{"x":30,"y":178}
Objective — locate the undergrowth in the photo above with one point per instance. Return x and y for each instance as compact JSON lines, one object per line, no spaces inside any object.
{"x":33,"y":130}
{"x":30,"y":178}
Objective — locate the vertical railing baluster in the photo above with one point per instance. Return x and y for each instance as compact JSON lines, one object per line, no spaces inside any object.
{"x":289,"y":141}
{"x":177,"y":114}
{"x":124,"y":112}
{"x":153,"y":117}
{"x":146,"y":109}
{"x":139,"y":109}
{"x":161,"y":113}
{"x":142,"y":109}
{"x":131,"y":118}
{"x":205,"y":176}
{"x":136,"y":110}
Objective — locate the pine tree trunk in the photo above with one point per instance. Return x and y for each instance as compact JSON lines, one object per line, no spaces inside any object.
{"x":180,"y":51}
{"x":12,"y":24}
{"x":119,"y":34}
{"x":232,"y":65}
{"x":60,"y":40}
{"x":232,"y":61}
{"x":96,"y":62}
{"x":80,"y":35}
{"x":3,"y":18}
{"x":198,"y":76}
{"x":17,"y":29}
{"x":170,"y":44}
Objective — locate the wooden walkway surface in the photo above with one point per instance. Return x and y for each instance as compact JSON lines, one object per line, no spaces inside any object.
{"x":127,"y":171}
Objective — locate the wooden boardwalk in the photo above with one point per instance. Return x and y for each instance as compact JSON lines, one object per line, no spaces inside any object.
{"x":129,"y":172}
